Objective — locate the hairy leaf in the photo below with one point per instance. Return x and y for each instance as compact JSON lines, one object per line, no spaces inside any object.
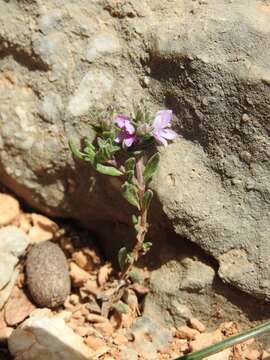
{"x":121,"y":307}
{"x":108,"y":170}
{"x":130,"y":164}
{"x":151,"y":167}
{"x":148,"y":196}
{"x":130,"y":193}
{"x":76,"y":151}
{"x":122,"y":258}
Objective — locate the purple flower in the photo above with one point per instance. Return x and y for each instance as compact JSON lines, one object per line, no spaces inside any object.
{"x":160,"y":127}
{"x":127,"y":134}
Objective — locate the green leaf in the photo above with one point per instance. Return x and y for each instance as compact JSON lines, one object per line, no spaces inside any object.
{"x":76,"y":151}
{"x":151,"y":167}
{"x":134,"y":220}
{"x":135,"y":276}
{"x":147,"y":197}
{"x":146,"y":246}
{"x":130,"y":164}
{"x":108,"y":170}
{"x":121,"y":308}
{"x":130,"y":175}
{"x":122,"y":258}
{"x":130,"y":193}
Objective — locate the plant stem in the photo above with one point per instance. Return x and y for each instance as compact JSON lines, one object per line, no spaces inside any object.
{"x":142,"y":224}
{"x":233,"y":340}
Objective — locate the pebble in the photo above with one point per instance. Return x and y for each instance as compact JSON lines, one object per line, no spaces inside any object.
{"x":9,"y":209}
{"x":94,"y":343}
{"x":47,"y":339}
{"x":47,"y":275}
{"x":13,"y":240}
{"x":6,"y":291}
{"x":196,"y":324}
{"x":5,"y":334}
{"x":18,"y":307}
{"x":7,"y":265}
{"x":78,"y":275}
{"x":185,"y":332}
{"x":206,"y":339}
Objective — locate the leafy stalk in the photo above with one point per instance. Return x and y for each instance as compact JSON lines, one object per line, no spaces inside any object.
{"x":233,"y":340}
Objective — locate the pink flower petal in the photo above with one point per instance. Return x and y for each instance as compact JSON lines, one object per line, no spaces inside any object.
{"x":168,"y":134}
{"x":160,"y":139}
{"x":129,"y":127}
{"x":162,"y":119}
{"x":129,"y":141}
{"x":121,"y":120}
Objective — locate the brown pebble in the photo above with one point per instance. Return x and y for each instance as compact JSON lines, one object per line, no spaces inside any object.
{"x":196,"y":324}
{"x":47,"y":275}
{"x":185,"y":332}
{"x":94,"y":343}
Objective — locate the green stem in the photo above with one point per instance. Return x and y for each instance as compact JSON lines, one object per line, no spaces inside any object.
{"x":213,"y":349}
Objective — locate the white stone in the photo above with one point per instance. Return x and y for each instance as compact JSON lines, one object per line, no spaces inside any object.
{"x":95,"y":85}
{"x":47,"y":339}
{"x":7,"y":265}
{"x":102,"y":44}
{"x":6,"y":291}
{"x":13,"y":240}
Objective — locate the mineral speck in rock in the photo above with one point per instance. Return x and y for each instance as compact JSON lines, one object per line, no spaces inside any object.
{"x":47,"y":275}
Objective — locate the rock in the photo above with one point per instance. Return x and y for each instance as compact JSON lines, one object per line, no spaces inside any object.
{"x":149,"y":337}
{"x":197,"y":277}
{"x":18,"y":307}
{"x":47,"y":338}
{"x":5,"y":333}
{"x":101,"y":45}
{"x":212,"y":184}
{"x":78,"y":275}
{"x":6,"y":291}
{"x":185,"y":332}
{"x":13,"y":240}
{"x":43,"y":228}
{"x":7,"y":265}
{"x":196,"y":324}
{"x":86,"y":96}
{"x":9,"y":209}
{"x":47,"y":275}
{"x":94,"y":343}
{"x":51,"y":108}
{"x":205,"y":339}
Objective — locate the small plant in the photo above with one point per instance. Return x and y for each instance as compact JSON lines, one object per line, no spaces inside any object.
{"x":121,"y":149}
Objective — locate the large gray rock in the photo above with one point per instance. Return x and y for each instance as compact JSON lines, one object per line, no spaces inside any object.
{"x":208,"y":61}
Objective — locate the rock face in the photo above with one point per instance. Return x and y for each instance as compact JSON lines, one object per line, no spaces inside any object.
{"x":47,"y":274}
{"x":48,"y":339}
{"x":207,"y":61}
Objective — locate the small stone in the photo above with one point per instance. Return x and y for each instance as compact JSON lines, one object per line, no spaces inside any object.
{"x":197,"y":275}
{"x":47,"y":274}
{"x":6,"y":291}
{"x":185,"y":332}
{"x":120,"y":339}
{"x":18,"y":307}
{"x":94,"y":343}
{"x":196,"y":324}
{"x":13,"y":240}
{"x":83,"y":260}
{"x":206,"y":339}
{"x":42,"y":313}
{"x":47,"y":339}
{"x":43,"y":229}
{"x":105,"y":328}
{"x":7,"y":265}
{"x":253,"y":354}
{"x":9,"y":209}
{"x":78,"y":275}
{"x":5,"y":334}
